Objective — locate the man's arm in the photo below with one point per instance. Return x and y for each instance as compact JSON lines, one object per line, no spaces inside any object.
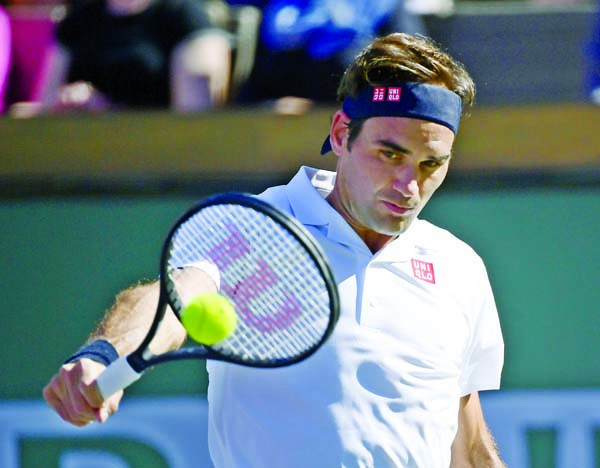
{"x":128,"y":321}
{"x":73,"y":392}
{"x":200,"y":69}
{"x":473,"y":446}
{"x":54,"y":77}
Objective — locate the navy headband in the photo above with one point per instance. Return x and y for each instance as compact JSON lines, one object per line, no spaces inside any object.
{"x":414,"y":100}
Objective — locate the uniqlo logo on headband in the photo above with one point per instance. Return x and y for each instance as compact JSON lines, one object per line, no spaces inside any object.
{"x":379,"y":94}
{"x":423,"y":270}
{"x":391,"y":94}
{"x":394,"y":94}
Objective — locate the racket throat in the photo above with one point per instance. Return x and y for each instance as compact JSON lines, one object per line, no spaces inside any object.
{"x":139,"y":363}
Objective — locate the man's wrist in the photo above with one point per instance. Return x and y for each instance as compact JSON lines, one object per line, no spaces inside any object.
{"x":99,"y":350}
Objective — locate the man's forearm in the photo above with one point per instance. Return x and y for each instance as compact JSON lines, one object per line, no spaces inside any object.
{"x":474,"y":446}
{"x":126,"y":323}
{"x":484,"y":454}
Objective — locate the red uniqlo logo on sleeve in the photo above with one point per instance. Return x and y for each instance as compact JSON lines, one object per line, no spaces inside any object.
{"x":423,"y":270}
{"x":379,"y":93}
{"x":394,"y":94}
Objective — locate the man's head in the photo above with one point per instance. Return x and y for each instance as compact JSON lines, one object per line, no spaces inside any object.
{"x":402,"y":58}
{"x":402,"y":102}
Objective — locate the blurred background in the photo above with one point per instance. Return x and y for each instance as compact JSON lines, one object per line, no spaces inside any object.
{"x":94,"y":169}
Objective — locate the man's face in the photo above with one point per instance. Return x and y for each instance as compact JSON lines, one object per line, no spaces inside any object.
{"x":389,"y":174}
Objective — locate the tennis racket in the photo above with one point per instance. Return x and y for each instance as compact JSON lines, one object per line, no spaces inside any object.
{"x":270,"y":268}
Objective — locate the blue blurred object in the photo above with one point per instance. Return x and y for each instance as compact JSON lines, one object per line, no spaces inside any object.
{"x":592,"y":53}
{"x":257,"y":3}
{"x":323,"y":27}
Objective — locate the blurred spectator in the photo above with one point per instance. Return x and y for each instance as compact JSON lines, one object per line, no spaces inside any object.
{"x":32,"y":32}
{"x":592,"y":84}
{"x":303,"y":44}
{"x":136,"y":54}
{"x":430,"y":7}
{"x":5,"y":48}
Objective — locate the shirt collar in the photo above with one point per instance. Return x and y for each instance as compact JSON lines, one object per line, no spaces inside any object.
{"x":306,"y":193}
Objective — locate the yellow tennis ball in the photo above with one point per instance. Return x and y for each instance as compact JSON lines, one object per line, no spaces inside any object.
{"x":209,"y":318}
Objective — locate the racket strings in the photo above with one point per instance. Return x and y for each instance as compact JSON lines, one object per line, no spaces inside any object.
{"x":277,"y":288}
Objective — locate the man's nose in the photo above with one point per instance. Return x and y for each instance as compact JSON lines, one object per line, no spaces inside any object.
{"x":405,"y":181}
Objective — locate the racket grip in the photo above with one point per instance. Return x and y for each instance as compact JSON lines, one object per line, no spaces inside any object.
{"x":115,"y":377}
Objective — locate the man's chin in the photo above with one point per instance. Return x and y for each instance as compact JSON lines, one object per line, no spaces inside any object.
{"x":398,"y":228}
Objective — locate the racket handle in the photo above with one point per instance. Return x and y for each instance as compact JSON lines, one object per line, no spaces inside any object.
{"x":115,"y":377}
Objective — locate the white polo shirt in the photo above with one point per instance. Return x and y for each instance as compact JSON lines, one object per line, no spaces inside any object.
{"x":418,"y":330}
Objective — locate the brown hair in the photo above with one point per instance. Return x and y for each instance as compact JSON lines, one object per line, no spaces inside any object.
{"x":402,"y":58}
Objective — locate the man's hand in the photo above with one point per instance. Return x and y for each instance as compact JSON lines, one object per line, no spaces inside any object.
{"x":73,"y":393}
{"x":80,"y":96}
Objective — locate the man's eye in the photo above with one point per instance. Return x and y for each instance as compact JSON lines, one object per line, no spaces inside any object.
{"x":432,"y":163}
{"x":389,"y":154}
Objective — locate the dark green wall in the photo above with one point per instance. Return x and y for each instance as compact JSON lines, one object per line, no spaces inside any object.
{"x":64,"y":259}
{"x":542,"y":252}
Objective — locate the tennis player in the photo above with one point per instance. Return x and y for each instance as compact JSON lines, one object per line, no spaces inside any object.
{"x":397,"y":383}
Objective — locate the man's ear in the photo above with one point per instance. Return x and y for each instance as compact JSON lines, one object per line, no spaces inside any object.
{"x":339,"y":132}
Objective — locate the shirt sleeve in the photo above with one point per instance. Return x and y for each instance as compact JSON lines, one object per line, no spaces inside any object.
{"x":485,"y":354}
{"x":210,"y":269}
